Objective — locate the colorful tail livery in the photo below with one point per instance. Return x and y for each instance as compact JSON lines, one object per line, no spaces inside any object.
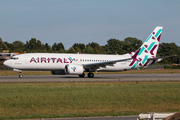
{"x":147,"y":50}
{"x":77,"y":64}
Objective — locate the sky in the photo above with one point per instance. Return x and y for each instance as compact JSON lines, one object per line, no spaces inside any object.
{"x":86,"y":21}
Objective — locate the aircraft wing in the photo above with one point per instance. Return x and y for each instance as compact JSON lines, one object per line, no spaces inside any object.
{"x":103,"y":64}
{"x":161,"y":57}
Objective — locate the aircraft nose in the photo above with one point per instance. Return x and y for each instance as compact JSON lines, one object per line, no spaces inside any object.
{"x":6,"y":63}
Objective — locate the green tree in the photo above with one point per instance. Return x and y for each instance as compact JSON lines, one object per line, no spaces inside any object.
{"x":79,"y":47}
{"x":89,"y":50}
{"x":71,"y":50}
{"x":48,"y":48}
{"x":131,"y":44}
{"x":9,"y":47}
{"x":34,"y":45}
{"x":166,"y":49}
{"x":59,"y":46}
{"x":18,"y":46}
{"x":56,"y":47}
{"x":97,"y":48}
{"x":114,"y":46}
{"x":3,"y":46}
{"x":62,"y":50}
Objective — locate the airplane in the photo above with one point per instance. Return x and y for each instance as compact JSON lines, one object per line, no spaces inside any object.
{"x":77,"y":64}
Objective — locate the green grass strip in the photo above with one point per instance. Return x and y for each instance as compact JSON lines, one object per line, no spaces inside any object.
{"x":52,"y":100}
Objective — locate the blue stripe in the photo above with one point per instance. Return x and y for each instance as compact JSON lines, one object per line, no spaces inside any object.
{"x":142,"y":49}
{"x":152,"y":44}
{"x":145,"y":58}
{"x":134,"y":65}
{"x":157,"y":34}
{"x":149,"y":38}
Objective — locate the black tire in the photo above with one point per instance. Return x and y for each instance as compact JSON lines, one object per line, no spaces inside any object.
{"x":82,"y":75}
{"x":20,"y":76}
{"x":90,"y":75}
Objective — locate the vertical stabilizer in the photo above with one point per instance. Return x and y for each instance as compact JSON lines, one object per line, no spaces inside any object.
{"x":148,"y":49}
{"x":151,"y":44}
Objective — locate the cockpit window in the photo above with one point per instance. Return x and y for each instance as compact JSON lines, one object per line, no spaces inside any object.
{"x":14,"y":58}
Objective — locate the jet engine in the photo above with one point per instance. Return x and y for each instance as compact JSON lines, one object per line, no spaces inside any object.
{"x":59,"y":72}
{"x":74,"y":69}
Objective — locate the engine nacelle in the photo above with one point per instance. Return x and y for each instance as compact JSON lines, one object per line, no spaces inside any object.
{"x":59,"y":72}
{"x":74,"y":69}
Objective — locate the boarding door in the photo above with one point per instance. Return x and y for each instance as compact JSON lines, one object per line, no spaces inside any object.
{"x":27,"y":59}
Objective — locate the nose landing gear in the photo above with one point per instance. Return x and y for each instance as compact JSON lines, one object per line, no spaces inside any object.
{"x":20,"y":76}
{"x":20,"y":71}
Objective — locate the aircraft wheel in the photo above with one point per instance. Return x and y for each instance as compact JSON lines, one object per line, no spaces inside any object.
{"x":90,"y":75}
{"x":82,"y":75}
{"x":20,"y":76}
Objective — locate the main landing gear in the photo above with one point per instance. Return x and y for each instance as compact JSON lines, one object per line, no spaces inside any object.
{"x":90,"y":75}
{"x":81,"y":76}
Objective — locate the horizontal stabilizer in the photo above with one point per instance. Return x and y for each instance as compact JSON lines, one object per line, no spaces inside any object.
{"x":161,"y":57}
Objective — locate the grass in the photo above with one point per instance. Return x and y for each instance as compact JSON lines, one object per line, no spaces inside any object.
{"x":151,"y":71}
{"x":50,"y":100}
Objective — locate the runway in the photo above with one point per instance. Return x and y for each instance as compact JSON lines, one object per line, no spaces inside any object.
{"x":97,"y":78}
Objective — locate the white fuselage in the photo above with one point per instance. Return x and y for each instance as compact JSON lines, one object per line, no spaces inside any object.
{"x":58,"y":61}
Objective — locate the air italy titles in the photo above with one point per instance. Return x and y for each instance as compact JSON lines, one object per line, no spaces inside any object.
{"x":52,"y":60}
